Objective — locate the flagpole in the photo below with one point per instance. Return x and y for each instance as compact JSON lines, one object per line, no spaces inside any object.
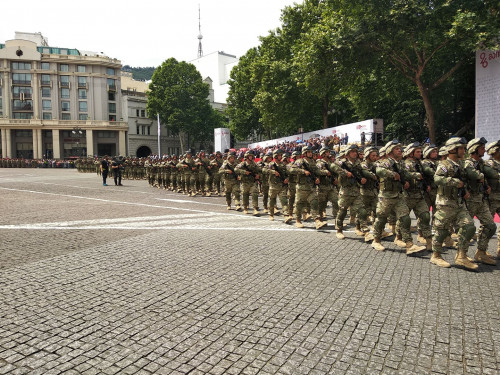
{"x":159,"y":134}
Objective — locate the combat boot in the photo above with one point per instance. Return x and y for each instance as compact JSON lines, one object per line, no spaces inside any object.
{"x":306,"y":216}
{"x":377,"y":245}
{"x":483,"y":257}
{"x":287,"y":219}
{"x":255,"y":211}
{"x":413,"y":249}
{"x":438,"y":260}
{"x":420,"y":238}
{"x":428,"y":244}
{"x":298,"y":223}
{"x":369,"y":237}
{"x":386,"y":234}
{"x":228,"y":207}
{"x":245,"y":210}
{"x":209,"y":194}
{"x":399,"y":242}
{"x":238,"y":208}
{"x":358,"y":231}
{"x":448,"y":242}
{"x":462,"y":260}
{"x":265,"y":210}
{"x":319,"y":224}
{"x":339,"y":234}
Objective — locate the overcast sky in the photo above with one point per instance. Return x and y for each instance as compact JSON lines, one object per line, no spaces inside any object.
{"x":147,"y":32}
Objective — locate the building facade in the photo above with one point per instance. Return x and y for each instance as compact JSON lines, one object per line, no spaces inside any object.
{"x":59,"y":102}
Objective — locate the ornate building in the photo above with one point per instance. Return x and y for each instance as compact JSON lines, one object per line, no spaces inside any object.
{"x":59,"y":102}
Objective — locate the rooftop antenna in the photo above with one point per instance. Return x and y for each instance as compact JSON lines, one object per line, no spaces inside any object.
{"x":200,"y":37}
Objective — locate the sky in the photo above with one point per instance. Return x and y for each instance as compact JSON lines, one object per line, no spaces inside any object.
{"x":148,"y":32}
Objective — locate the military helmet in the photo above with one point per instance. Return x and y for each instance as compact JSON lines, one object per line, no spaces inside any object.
{"x":428,"y":149}
{"x":369,"y":150}
{"x":231,"y":154}
{"x":278,"y":151}
{"x":295,"y":154}
{"x":493,"y":147}
{"x":455,"y":142}
{"x":268,"y":154}
{"x":188,"y":152}
{"x":323,"y":150}
{"x":443,"y":151}
{"x":249,"y":153}
{"x":391,"y":145}
{"x":410,"y":148}
{"x":351,"y":147}
{"x":306,"y":149}
{"x":475,"y":143}
{"x":381,"y":152}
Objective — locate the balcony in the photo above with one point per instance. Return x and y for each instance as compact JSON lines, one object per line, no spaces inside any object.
{"x":46,"y":83}
{"x":64,"y":84}
{"x":21,"y":82}
{"x":111,"y":87}
{"x":22,"y":95}
{"x":82,"y":85}
{"x":23,"y":107}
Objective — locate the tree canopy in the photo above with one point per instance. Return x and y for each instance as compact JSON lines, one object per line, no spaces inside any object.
{"x":410,"y":62}
{"x":178,"y":94}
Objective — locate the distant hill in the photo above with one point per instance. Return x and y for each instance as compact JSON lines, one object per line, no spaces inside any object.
{"x":140,"y":74}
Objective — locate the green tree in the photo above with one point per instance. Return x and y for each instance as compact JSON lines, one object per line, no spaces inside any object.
{"x":178,"y":94}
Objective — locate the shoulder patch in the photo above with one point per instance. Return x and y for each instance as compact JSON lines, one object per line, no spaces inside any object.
{"x":444,"y":169}
{"x":386,"y":164}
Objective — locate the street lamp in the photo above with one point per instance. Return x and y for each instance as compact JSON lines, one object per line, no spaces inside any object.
{"x":77,"y":132}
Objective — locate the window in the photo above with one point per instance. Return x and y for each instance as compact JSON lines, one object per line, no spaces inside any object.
{"x":21,"y":65}
{"x":137,"y":128}
{"x":111,"y":96}
{"x":22,"y":93}
{"x":137,"y":112}
{"x":1,"y":103}
{"x":22,"y":105}
{"x":143,"y":130}
{"x":112,"y":107}
{"x":65,"y":116}
{"x":143,"y":113}
{"x":82,"y":94}
{"x":65,"y":93}
{"x":46,"y":105}
{"x":63,"y":67}
{"x":82,"y":117}
{"x":22,"y":116}
{"x":45,"y":66}
{"x":47,"y":115}
{"x":65,"y":107}
{"x":64,"y":81}
{"x":81,"y":68}
{"x":110,"y":71}
{"x":149,"y":130}
{"x":106,"y":134}
{"x":112,"y":117}
{"x":21,"y":78}
{"x":111,"y":84}
{"x":45,"y":79}
{"x":45,"y":92}
{"x":82,"y":81}
{"x":82,"y":106}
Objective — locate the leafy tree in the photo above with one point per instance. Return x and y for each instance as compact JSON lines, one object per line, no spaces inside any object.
{"x":178,"y":94}
{"x":140,"y":74}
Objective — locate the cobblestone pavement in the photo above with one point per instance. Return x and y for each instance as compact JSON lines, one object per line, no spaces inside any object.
{"x":136,"y":280}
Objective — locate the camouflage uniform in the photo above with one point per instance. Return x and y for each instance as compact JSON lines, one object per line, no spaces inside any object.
{"x":189,"y":170}
{"x":249,"y":173}
{"x":278,"y":185}
{"x":493,"y":149}
{"x":231,"y":181}
{"x":264,"y":183}
{"x":216,"y":164}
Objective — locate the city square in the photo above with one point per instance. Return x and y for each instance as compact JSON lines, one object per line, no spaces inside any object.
{"x":133,"y":279}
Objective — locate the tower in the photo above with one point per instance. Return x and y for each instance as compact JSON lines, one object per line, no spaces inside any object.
{"x":200,"y":37}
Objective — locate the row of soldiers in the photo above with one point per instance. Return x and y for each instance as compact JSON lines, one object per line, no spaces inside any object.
{"x":382,"y":185}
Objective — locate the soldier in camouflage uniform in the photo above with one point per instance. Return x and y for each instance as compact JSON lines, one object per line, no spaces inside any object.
{"x":231,"y":181}
{"x":450,"y":206}
{"x":292,"y":183}
{"x":493,"y":149}
{"x":369,"y":191}
{"x":415,"y":194}
{"x":204,"y":170}
{"x":173,"y":173}
{"x":391,"y":199}
{"x":327,"y":182}
{"x":350,"y":180}
{"x":278,"y":184}
{"x":216,"y":164}
{"x":477,"y":171}
{"x":307,"y":178}
{"x":249,"y":173}
{"x":264,"y":184}
{"x":189,"y":170}
{"x":429,"y":163}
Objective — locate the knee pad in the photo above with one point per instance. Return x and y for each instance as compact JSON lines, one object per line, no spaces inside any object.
{"x":490,"y":229}
{"x":405,"y":221}
{"x":425,"y":217}
{"x":468,"y":231}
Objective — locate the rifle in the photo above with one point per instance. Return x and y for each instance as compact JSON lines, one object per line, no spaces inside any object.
{"x":355,"y":175}
{"x":275,"y":167}
{"x":233,"y":173}
{"x":462,"y":192}
{"x":205,"y":167}
{"x":373,"y":169}
{"x":332,"y":173}
{"x":252,"y":173}
{"x":395,"y":168}
{"x":422,"y":184}
{"x":306,"y":167}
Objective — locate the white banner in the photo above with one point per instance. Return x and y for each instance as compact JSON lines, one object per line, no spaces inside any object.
{"x":222,"y":139}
